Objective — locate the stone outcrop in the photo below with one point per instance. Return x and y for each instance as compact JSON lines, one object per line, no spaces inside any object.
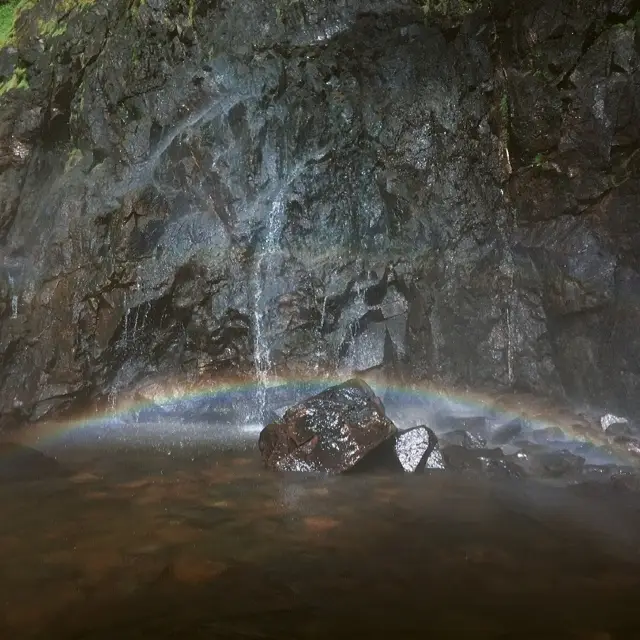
{"x":329,"y":432}
{"x":443,"y":190}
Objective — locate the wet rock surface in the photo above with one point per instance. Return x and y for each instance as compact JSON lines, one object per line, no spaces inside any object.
{"x":346,"y":428}
{"x":329,"y":432}
{"x":207,"y":188}
{"x":417,"y":450}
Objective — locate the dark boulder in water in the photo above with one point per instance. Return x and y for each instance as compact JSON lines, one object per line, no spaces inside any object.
{"x":630,"y":444}
{"x":464,"y":438}
{"x":19,"y":463}
{"x":329,"y":432}
{"x":548,"y":435}
{"x":475,"y":425}
{"x":489,"y":462}
{"x":417,"y":450}
{"x":413,"y":450}
{"x":507,"y":432}
{"x":551,"y":464}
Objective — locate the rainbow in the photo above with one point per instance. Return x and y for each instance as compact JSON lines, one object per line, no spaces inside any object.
{"x":230,"y":393}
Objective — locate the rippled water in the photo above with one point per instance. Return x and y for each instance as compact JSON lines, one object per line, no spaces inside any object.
{"x":200,"y":542}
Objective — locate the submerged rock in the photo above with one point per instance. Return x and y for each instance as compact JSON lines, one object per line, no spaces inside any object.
{"x":330,"y":432}
{"x":551,"y":464}
{"x":630,"y":444}
{"x":21,"y":463}
{"x":465,"y":439}
{"x":417,"y":449}
{"x":476,"y":426}
{"x":507,"y":432}
{"x":491,"y":462}
{"x":548,"y":435}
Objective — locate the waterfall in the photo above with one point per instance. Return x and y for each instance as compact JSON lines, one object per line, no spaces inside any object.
{"x":323,"y":315}
{"x":509,"y":269}
{"x":265,"y":277}
{"x":14,"y":299}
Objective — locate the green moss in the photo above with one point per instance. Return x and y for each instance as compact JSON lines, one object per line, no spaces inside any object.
{"x":75,"y":155}
{"x":135,"y":7}
{"x":192,"y":8}
{"x":66,"y":6}
{"x":17,"y":81}
{"x":8,"y":14}
{"x":504,"y":108}
{"x":51,"y":28}
{"x":636,"y":19}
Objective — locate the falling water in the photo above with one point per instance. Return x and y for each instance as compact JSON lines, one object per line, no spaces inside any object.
{"x":510,"y":374}
{"x":125,"y":332}
{"x":264,"y":277}
{"x":513,"y":296}
{"x":323,"y":315}
{"x":135,"y":322}
{"x":14,"y":299}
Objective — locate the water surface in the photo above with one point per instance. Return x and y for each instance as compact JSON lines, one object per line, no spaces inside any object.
{"x":199,"y":541}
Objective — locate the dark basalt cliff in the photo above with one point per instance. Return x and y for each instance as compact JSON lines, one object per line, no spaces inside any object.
{"x":443,"y":190}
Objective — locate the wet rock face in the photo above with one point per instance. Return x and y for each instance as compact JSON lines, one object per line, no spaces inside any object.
{"x":344,"y":428}
{"x":330,"y":432}
{"x":359,"y":188}
{"x":417,"y":450}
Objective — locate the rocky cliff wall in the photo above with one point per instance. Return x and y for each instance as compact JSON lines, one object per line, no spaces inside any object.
{"x":445,"y":190}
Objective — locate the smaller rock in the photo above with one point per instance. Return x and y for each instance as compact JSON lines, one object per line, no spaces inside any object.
{"x":609,"y":419}
{"x":507,"y":432}
{"x":599,"y":472}
{"x":501,"y":468}
{"x":476,"y":425}
{"x":630,"y":443}
{"x":490,"y":462}
{"x":551,"y":464}
{"x":464,"y":438}
{"x":462,"y":459}
{"x":620,"y":429}
{"x":417,"y":449}
{"x":548,"y":435}
{"x":627,"y":481}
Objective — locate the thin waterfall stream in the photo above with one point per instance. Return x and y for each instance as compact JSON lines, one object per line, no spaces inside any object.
{"x":267,"y":261}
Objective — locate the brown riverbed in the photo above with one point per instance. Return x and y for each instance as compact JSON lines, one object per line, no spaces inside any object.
{"x":140,"y":543}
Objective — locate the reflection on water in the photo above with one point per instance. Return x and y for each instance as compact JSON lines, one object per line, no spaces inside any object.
{"x":197,"y":542}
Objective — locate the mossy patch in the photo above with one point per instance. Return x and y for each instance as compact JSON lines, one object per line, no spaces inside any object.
{"x":17,"y":81}
{"x":8,"y":14}
{"x":75,"y":155}
{"x":504,"y":108}
{"x":65,"y":6}
{"x":52,"y":26}
{"x":135,"y":7}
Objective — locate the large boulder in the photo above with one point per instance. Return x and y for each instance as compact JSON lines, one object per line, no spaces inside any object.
{"x":330,"y":432}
